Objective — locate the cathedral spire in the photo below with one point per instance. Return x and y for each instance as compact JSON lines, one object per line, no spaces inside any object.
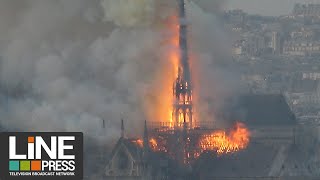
{"x":182,"y":89}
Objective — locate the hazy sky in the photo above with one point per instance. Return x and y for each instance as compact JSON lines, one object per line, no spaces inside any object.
{"x":266,"y":7}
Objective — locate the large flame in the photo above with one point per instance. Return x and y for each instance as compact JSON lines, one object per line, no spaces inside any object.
{"x":218,"y":141}
{"x":174,"y":57}
{"x":162,"y":108}
{"x":224,"y":143}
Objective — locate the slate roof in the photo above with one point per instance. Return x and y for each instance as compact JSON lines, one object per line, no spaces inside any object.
{"x":255,"y":161}
{"x":261,"y":110}
{"x":301,"y":162}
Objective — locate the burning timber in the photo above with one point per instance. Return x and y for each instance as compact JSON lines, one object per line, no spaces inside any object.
{"x":182,"y":138}
{"x":179,"y":141}
{"x":273,"y":151}
{"x":184,"y":148}
{"x":182,"y":89}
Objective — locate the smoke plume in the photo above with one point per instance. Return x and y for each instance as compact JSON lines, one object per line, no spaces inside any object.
{"x":70,"y":65}
{"x":214,"y":81}
{"x":129,"y":13}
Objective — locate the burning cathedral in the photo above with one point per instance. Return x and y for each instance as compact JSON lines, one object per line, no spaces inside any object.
{"x":178,"y":142}
{"x":173,"y":149}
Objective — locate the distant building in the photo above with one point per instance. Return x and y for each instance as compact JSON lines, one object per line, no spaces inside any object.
{"x":311,"y":76}
{"x":238,"y":48}
{"x":236,"y":16}
{"x":255,"y":81}
{"x":301,"y":48}
{"x":254,"y":44}
{"x":307,"y":98}
{"x":303,"y":33}
{"x":310,"y":10}
{"x":276,"y":43}
{"x":305,"y":84}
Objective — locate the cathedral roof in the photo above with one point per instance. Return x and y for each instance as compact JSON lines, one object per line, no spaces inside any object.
{"x":261,"y":110}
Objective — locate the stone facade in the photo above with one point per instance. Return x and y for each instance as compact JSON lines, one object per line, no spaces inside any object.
{"x":130,"y":161}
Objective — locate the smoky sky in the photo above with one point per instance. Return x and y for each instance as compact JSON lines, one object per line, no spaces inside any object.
{"x":266,"y":7}
{"x":70,"y":65}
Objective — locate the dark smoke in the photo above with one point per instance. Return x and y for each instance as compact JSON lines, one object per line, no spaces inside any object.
{"x":69,"y":65}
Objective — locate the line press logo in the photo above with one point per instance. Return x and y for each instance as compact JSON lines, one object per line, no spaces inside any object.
{"x":42,"y":156}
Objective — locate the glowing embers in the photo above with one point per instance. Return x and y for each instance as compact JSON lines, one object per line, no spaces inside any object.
{"x":183,"y":94}
{"x":159,"y":145}
{"x":138,"y":142}
{"x":224,"y":143}
{"x":192,"y":143}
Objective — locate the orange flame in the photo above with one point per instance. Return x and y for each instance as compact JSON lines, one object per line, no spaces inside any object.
{"x":223,"y":143}
{"x":174,"y":57}
{"x":163,"y":106}
{"x":138,"y":142}
{"x":153,"y":144}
